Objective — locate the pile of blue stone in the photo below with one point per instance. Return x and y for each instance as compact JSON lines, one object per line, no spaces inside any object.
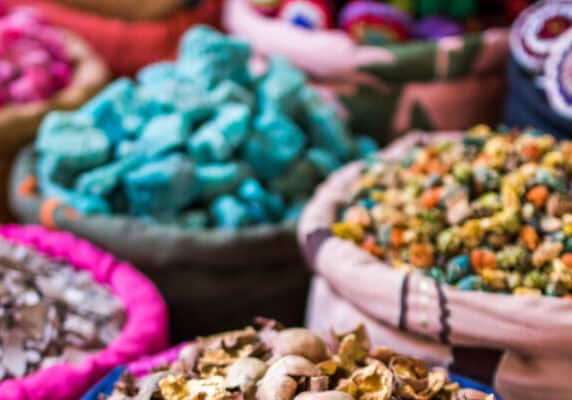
{"x":201,"y":142}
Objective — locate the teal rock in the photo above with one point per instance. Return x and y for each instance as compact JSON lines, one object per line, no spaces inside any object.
{"x":217,"y":179}
{"x":458,"y":267}
{"x":52,"y":179}
{"x":266,"y":206}
{"x":157,"y":72}
{"x":279,"y":88}
{"x":365,"y":146}
{"x":229,"y":212}
{"x":208,"y":57}
{"x":168,"y":97}
{"x":194,"y":220}
{"x":277,"y":143}
{"x":329,"y":132}
{"x":218,"y":138}
{"x":471,"y":282}
{"x":103,"y":180}
{"x":324,"y":161}
{"x":161,"y":188}
{"x":73,"y":139}
{"x":108,"y":109}
{"x":192,"y":132}
{"x":165,"y":133}
{"x":231,"y":92}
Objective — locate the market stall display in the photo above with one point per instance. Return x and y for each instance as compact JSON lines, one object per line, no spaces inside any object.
{"x":390,"y":85}
{"x":457,"y":247}
{"x":539,"y":90}
{"x":196,"y":173}
{"x":125,"y":45}
{"x":70,"y":313}
{"x":41,"y":69}
{"x":271,"y":362}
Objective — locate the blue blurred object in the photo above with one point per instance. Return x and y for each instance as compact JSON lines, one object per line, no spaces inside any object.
{"x":105,"y":386}
{"x":526,"y":105}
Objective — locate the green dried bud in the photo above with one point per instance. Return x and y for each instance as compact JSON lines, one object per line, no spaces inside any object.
{"x":513,"y":257}
{"x":449,"y":242}
{"x":536,"y":279}
{"x":462,"y":172}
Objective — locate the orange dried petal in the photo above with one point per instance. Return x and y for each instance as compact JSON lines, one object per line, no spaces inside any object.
{"x":529,"y":237}
{"x":538,"y":196}
{"x":430,"y":198}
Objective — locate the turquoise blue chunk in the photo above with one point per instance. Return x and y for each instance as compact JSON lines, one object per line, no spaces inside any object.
{"x":229,"y":212}
{"x":162,"y":187}
{"x":218,"y":138}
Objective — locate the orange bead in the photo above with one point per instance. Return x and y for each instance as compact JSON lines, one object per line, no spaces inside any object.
{"x":529,"y":237}
{"x":537,"y":196}
{"x":421,"y":255}
{"x":531,"y":151}
{"x":436,"y":167}
{"x":372,"y":247}
{"x":567,"y":259}
{"x":430,"y":198}
{"x":397,"y":237}
{"x":483,"y":259}
{"x":416,"y":169}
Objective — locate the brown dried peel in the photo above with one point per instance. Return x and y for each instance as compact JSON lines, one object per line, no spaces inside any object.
{"x":272,"y":363}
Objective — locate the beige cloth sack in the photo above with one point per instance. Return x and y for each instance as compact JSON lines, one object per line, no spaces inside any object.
{"x":522,"y":344}
{"x":19,"y":122}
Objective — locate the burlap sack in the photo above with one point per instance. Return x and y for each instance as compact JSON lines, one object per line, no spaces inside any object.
{"x":127,"y":46}
{"x":144,"y":332}
{"x":19,"y":123}
{"x":521,"y":344}
{"x":213,"y":280}
{"x":453,"y":83}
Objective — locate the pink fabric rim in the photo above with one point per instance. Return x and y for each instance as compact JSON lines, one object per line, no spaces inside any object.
{"x":145,"y":331}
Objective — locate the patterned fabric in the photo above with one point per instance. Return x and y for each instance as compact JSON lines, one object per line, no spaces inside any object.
{"x":452,"y":83}
{"x":526,"y":105}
